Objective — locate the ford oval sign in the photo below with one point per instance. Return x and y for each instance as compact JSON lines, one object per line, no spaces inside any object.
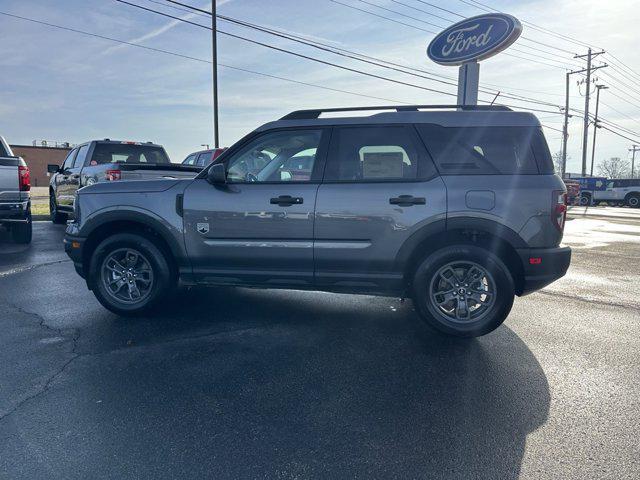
{"x":475,"y":38}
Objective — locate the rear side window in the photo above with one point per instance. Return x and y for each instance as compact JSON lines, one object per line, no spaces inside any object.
{"x":204,"y":159}
{"x":487,"y":150}
{"x":374,"y":154}
{"x":3,"y":151}
{"x":190,"y":160}
{"x":128,"y":153}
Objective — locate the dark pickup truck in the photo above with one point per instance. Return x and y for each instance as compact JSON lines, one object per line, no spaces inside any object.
{"x":107,"y":161}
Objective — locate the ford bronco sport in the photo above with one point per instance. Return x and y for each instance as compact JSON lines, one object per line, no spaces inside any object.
{"x":457,"y":207}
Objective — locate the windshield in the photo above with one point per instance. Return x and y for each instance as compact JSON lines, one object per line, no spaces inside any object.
{"x":128,"y":153}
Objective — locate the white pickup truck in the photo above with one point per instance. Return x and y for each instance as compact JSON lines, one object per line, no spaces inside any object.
{"x":15,"y":202}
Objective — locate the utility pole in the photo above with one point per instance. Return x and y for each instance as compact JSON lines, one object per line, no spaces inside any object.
{"x":595,"y":124}
{"x":565,"y":128}
{"x":214,"y":55}
{"x":634,"y":149}
{"x":585,"y":132}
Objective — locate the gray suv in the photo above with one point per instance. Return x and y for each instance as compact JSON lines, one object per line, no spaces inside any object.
{"x":457,"y":207}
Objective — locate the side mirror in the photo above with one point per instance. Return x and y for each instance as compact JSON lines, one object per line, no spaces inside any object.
{"x":51,"y":168}
{"x":217,"y":174}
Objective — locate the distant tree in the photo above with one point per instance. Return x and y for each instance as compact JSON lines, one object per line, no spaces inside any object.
{"x":557,"y":161}
{"x":615,"y":167}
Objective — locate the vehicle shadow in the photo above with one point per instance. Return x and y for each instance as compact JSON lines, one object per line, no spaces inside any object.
{"x":330,"y":386}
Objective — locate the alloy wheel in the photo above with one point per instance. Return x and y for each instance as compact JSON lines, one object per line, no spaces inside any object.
{"x":127,"y":276}
{"x":462,"y":291}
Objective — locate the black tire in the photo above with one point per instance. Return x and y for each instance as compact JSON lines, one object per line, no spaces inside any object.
{"x":56,"y":217}
{"x":22,"y":232}
{"x":633,"y":200}
{"x":489,"y":316}
{"x":585,"y":200}
{"x":161,"y":284}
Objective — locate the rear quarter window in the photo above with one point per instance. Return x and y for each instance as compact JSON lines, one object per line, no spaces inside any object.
{"x":487,"y":150}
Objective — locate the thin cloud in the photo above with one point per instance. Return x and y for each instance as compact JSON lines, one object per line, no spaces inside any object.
{"x":161,"y":30}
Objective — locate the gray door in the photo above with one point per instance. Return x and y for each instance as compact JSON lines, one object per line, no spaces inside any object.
{"x":379,"y":188}
{"x":62,"y":180}
{"x":73,"y":180}
{"x":258,"y":228}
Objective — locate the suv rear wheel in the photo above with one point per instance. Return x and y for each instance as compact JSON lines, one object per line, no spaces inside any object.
{"x":129,"y":274}
{"x":463,"y":290}
{"x":56,"y":216}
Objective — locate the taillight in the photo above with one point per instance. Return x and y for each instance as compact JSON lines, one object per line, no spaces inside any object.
{"x":559,"y":209}
{"x":112,"y":175}
{"x":24,"y":178}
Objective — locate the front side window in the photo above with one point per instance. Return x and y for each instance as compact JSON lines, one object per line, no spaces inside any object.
{"x":484,"y":150}
{"x":284,"y":156}
{"x":377,"y":153}
{"x":81,"y":156}
{"x":68,"y":162}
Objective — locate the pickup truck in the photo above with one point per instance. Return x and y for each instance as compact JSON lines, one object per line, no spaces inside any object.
{"x":625,"y":191}
{"x":107,"y":161}
{"x":15,"y":203}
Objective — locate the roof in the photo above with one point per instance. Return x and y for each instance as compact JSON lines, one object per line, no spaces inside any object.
{"x":444,"y":115}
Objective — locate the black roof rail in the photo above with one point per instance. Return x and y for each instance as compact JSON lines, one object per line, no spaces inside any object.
{"x":315,"y":113}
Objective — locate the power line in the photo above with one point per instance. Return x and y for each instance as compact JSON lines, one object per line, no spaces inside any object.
{"x":442,"y":27}
{"x":399,"y":13}
{"x":382,"y":16}
{"x":462,"y":16}
{"x":290,"y":52}
{"x":187,"y":57}
{"x":355,"y":55}
{"x":486,"y":8}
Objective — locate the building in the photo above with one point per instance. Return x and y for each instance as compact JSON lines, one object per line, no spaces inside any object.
{"x":37,"y":158}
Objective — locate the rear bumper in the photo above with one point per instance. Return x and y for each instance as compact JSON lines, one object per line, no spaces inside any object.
{"x":542,"y":266}
{"x":15,"y":212}
{"x":73,"y":247}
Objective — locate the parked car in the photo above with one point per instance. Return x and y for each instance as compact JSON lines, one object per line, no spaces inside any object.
{"x":203,"y":157}
{"x":617,"y":192}
{"x":15,"y":203}
{"x":458,"y":209}
{"x":107,"y":161}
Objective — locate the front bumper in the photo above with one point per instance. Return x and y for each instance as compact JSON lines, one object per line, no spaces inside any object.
{"x":542,"y":266}
{"x":15,"y":212}
{"x":73,"y":247}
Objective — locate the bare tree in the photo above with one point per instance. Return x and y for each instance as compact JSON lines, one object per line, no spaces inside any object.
{"x":615,"y":167}
{"x":557,"y":162}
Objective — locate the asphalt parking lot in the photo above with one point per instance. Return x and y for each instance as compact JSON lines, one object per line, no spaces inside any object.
{"x":239,"y":383}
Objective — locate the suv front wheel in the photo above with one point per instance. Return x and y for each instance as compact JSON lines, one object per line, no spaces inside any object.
{"x":463,"y":290}
{"x":129,"y":274}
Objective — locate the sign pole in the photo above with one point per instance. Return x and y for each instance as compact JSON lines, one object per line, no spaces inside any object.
{"x":468,"y":83}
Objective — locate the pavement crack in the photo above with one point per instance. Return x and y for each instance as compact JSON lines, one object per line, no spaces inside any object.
{"x":59,"y":371}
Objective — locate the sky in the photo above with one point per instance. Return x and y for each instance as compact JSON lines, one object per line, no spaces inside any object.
{"x":65,"y":86}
